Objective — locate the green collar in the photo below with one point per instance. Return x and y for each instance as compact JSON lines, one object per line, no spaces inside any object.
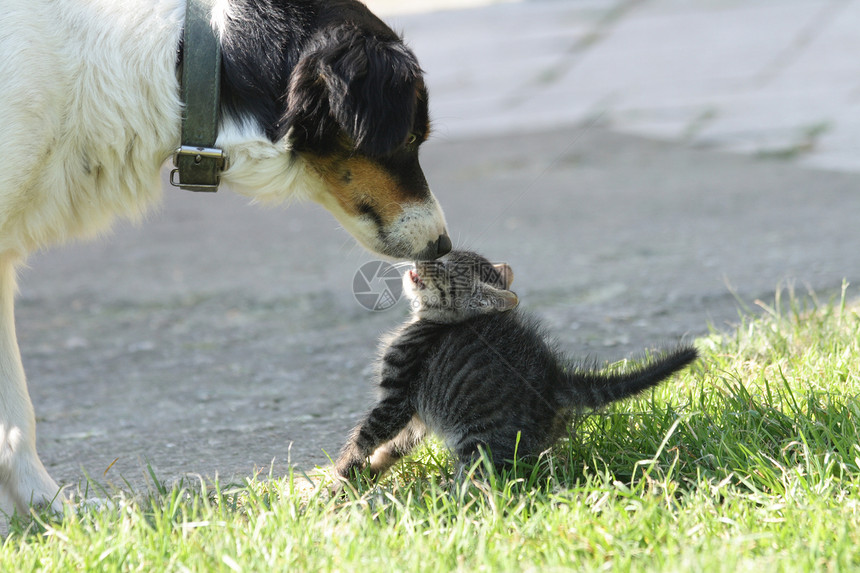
{"x":198,"y":162}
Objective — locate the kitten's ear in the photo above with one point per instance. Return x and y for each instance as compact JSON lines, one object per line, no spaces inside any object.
{"x":507,"y":273}
{"x":499,"y":300}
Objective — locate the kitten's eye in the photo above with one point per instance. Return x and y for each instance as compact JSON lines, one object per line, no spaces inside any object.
{"x":411,"y":139}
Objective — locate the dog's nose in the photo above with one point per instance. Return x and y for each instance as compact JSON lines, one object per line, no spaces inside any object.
{"x":435,"y":249}
{"x":443,"y":245}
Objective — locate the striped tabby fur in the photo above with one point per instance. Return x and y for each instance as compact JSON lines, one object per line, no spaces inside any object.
{"x":476,"y":372}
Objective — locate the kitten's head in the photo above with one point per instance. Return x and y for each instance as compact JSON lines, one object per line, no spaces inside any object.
{"x":459,"y":286}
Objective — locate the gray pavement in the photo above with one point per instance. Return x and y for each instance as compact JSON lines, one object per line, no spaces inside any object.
{"x":218,"y":337}
{"x":763,"y":77}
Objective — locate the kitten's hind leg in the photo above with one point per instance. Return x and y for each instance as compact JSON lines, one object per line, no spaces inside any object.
{"x":480,"y":456}
{"x":381,"y":425}
{"x":391,"y":452}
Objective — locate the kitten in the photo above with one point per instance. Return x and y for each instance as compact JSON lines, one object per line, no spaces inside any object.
{"x":476,"y":372}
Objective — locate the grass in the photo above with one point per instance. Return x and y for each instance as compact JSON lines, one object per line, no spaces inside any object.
{"x":748,"y":461}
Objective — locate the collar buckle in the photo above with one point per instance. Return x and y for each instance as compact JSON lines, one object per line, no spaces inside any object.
{"x":189,"y":161}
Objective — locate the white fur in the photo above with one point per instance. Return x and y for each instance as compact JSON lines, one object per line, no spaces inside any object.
{"x":89,"y":112}
{"x":86,"y":120}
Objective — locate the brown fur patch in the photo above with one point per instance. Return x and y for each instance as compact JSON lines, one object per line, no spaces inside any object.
{"x":362,"y":186}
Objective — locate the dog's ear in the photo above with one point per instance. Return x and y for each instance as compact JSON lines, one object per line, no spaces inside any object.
{"x":373,"y":94}
{"x":365,"y":86}
{"x":308,"y":121}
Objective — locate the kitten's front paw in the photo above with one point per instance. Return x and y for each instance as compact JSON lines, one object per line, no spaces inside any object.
{"x":344,"y":474}
{"x":349,"y":469}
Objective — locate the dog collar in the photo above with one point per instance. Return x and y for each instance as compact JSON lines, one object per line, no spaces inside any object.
{"x":198,"y":163}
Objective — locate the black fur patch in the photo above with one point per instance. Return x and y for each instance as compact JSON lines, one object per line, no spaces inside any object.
{"x":348,"y":80}
{"x":260,"y":47}
{"x":319,"y":70}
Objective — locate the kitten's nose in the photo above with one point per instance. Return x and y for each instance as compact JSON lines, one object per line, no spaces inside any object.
{"x":435,"y":249}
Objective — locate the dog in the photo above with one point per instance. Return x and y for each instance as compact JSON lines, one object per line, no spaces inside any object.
{"x":319,"y":100}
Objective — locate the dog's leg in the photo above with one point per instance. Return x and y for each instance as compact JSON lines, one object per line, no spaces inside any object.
{"x":22,"y":475}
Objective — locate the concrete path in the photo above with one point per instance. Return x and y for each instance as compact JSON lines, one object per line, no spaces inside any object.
{"x":778,"y":78}
{"x":213,"y":337}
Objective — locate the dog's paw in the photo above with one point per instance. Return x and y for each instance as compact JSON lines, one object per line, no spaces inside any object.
{"x":29,"y":488}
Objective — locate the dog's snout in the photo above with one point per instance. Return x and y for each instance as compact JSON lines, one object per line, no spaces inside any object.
{"x":437,"y":248}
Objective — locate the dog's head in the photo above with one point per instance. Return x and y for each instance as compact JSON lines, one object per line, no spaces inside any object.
{"x":321,"y":95}
{"x":356,"y":114}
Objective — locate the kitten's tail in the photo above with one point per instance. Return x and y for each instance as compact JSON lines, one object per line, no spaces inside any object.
{"x":594,"y":389}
